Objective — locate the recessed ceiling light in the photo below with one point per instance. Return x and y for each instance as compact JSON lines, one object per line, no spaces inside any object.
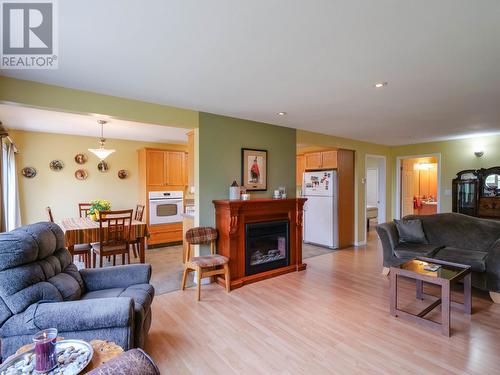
{"x":281,"y":113}
{"x":379,"y":85}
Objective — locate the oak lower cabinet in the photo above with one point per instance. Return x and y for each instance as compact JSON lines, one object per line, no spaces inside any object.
{"x":165,"y":234}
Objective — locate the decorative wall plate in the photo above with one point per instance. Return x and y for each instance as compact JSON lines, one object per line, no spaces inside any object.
{"x":81,"y":174}
{"x":80,"y":158}
{"x":103,"y":166}
{"x":29,"y":172}
{"x":56,"y":165}
{"x":122,"y":174}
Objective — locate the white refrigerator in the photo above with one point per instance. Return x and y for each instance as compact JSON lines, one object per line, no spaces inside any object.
{"x":321,"y":208}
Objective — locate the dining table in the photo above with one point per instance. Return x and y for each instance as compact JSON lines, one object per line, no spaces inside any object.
{"x":83,"y":230}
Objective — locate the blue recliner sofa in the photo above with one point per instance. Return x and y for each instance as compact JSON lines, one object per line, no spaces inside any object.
{"x":40,"y":287}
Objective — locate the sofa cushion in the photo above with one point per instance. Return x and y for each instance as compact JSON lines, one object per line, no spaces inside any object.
{"x":142,"y":295}
{"x":475,"y":259}
{"x":410,"y":231}
{"x":413,"y":250}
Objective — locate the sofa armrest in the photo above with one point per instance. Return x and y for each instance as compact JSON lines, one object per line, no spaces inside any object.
{"x":115,"y":277}
{"x":132,"y":362}
{"x":72,"y":316}
{"x":493,"y":267}
{"x":389,"y":237}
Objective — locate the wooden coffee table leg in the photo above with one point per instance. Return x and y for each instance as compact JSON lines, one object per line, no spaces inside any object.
{"x":420,"y":289}
{"x":467,"y":294}
{"x":445,"y":309}
{"x":394,"y":292}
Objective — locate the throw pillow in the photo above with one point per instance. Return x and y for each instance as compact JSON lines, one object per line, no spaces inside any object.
{"x":411,"y":231}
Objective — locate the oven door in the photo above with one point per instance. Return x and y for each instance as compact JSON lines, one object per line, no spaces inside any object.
{"x":164,"y":211}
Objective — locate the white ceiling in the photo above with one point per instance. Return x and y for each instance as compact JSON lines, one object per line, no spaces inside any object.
{"x":38,"y":120}
{"x":316,"y":60}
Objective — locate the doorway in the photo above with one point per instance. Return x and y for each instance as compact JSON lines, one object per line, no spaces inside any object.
{"x":375,"y":190}
{"x":418,"y":185}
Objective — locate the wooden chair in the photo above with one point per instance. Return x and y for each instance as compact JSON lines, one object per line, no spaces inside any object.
{"x":139,"y":213}
{"x":205,"y":266}
{"x":82,"y":250}
{"x":84,"y":209}
{"x":114,"y":236}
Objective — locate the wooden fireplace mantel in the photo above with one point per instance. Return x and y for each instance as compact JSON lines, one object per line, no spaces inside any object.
{"x":231,"y":217}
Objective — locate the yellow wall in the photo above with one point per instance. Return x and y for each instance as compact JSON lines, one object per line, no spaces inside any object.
{"x":456,"y":155}
{"x":61,"y":190}
{"x":309,"y":141}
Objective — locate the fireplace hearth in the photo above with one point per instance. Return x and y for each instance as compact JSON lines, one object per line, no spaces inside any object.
{"x":266,"y":246}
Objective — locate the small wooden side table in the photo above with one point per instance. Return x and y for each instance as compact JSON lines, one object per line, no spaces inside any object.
{"x":103,"y":352}
{"x":448,"y":274}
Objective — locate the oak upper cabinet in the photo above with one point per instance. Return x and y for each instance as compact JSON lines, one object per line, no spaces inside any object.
{"x":321,"y":160}
{"x":175,"y":163}
{"x":313,"y":160}
{"x":155,"y":168}
{"x":163,"y":168}
{"x":300,"y":168}
{"x":329,"y":159}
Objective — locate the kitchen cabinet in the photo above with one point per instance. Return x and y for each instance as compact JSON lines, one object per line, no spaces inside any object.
{"x":165,"y":168}
{"x":175,"y":167}
{"x":161,"y":170}
{"x":313,"y":160}
{"x":300,"y":169}
{"x":329,"y":159}
{"x":321,"y":160}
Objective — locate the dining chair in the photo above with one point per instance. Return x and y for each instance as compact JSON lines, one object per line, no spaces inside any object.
{"x":114,"y":236}
{"x":205,"y":266}
{"x":81,"y":250}
{"x":84,"y":209}
{"x":139,"y":213}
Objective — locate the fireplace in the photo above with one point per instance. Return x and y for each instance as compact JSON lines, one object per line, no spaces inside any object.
{"x":261,"y":237}
{"x":266,"y":246}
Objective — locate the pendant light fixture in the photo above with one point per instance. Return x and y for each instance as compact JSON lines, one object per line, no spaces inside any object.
{"x":101,"y":152}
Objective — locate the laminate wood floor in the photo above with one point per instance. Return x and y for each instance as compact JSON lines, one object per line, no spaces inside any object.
{"x":331,"y":318}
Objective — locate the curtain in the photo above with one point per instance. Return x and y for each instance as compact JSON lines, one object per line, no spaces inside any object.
{"x":10,"y":190}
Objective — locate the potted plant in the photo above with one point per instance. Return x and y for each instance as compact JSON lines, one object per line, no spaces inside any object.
{"x":96,"y":206}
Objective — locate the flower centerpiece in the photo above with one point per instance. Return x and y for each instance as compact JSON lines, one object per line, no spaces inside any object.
{"x":98,"y":205}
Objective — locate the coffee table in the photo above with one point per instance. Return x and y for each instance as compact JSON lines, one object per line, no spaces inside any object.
{"x":448,"y":274}
{"x":103,"y":352}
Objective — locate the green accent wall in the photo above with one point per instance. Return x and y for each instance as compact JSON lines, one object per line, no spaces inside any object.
{"x":456,"y":155}
{"x":45,"y":96}
{"x":220,"y":142}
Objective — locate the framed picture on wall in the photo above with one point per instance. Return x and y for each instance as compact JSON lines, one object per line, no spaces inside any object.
{"x":254,"y":169}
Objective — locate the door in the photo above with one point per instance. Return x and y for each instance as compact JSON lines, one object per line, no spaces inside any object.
{"x":372,"y":187}
{"x":407,"y":193}
{"x":313,"y":160}
{"x":318,"y":220}
{"x":329,"y":159}
{"x":155,"y":168}
{"x":175,"y":168}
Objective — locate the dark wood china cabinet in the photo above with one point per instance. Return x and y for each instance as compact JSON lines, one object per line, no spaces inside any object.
{"x":477,"y":193}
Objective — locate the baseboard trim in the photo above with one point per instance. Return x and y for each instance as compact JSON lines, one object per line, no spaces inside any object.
{"x":360,"y":243}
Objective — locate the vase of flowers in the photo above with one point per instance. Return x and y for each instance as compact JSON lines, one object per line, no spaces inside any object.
{"x":98,"y":205}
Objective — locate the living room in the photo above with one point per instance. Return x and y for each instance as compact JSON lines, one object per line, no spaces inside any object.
{"x":259,"y":87}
